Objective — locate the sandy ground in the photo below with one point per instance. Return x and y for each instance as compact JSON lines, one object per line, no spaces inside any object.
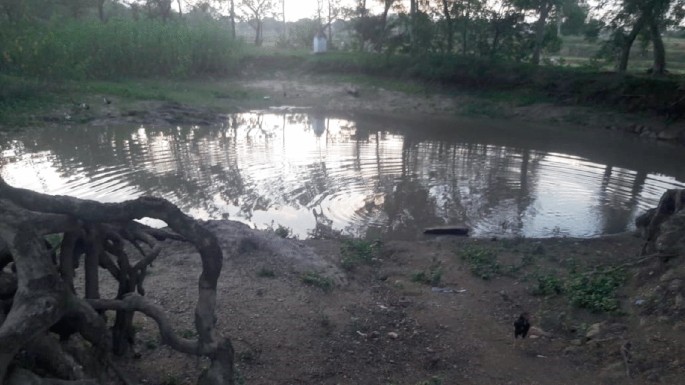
{"x":378,"y":326}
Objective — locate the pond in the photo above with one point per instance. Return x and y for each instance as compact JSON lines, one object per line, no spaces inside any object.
{"x":362,"y":174}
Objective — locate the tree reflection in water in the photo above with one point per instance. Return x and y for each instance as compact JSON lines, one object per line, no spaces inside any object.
{"x":321,"y":175}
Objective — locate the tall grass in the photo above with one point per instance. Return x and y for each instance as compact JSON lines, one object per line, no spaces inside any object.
{"x":73,"y":49}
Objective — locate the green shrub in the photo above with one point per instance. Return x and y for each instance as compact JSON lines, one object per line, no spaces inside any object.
{"x":357,"y":252}
{"x":595,"y":291}
{"x":482,"y":262}
{"x":431,"y":276}
{"x":283,"y":232}
{"x":315,"y":279}
{"x":266,"y":273}
{"x":548,"y":284}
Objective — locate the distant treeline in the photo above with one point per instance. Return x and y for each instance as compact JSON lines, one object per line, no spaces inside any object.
{"x":467,"y":43}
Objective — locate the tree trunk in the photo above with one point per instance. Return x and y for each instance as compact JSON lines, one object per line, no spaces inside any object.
{"x":628,"y":43}
{"x":465,"y":32}
{"x":496,"y":36}
{"x":232,"y":17}
{"x":540,"y":33}
{"x":362,"y":16}
{"x":101,"y":10}
{"x":384,"y":21}
{"x":413,"y":8}
{"x":285,"y":28}
{"x":659,"y":67}
{"x":448,"y":22}
{"x":180,"y":8}
{"x":258,"y":34}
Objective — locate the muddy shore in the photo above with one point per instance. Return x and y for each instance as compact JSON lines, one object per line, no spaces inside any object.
{"x":335,"y":95}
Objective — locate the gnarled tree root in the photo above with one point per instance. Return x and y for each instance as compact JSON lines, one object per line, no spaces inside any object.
{"x":44,"y":285}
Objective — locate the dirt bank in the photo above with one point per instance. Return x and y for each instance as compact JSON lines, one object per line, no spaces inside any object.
{"x":381,"y":323}
{"x":332,"y":95}
{"x":283,"y":90}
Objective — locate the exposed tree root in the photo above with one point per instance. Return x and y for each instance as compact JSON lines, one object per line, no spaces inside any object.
{"x":41,"y":288}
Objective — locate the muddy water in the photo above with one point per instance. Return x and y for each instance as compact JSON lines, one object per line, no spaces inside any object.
{"x":360,"y":175}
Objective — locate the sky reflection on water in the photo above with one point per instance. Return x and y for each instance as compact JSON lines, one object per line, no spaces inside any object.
{"x":367,"y":175}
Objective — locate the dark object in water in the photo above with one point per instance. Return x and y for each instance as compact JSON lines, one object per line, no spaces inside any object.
{"x":447,"y":230}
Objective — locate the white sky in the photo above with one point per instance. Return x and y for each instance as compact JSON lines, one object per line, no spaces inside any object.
{"x":300,"y":9}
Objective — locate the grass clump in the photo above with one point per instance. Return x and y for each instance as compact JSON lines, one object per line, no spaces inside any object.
{"x":266,"y":273}
{"x":596,"y":290}
{"x":315,"y":279}
{"x":481,"y":261}
{"x":171,"y":380}
{"x":431,"y":381}
{"x":187,"y":333}
{"x":358,"y":252}
{"x":432,"y":276}
{"x":548,"y":284}
{"x":282,"y":231}
{"x":151,"y":344}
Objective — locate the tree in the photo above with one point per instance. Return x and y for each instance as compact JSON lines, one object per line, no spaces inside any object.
{"x":543,"y":8}
{"x":447,"y":6}
{"x":413,"y":23}
{"x":158,"y":8}
{"x":101,"y":9}
{"x":334,"y":12}
{"x":572,"y":17}
{"x":255,"y":11}
{"x":382,"y":33}
{"x":76,"y":8}
{"x":651,"y":16}
{"x":466,"y":11}
{"x":231,"y":16}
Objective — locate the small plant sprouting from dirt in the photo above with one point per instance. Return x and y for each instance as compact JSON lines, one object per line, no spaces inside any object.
{"x":325,"y":321}
{"x":238,"y":376}
{"x":315,"y":279}
{"x":265,"y":272}
{"x":481,"y":261}
{"x":151,"y":344}
{"x":432,"y":276}
{"x":595,"y":290}
{"x":358,"y":252}
{"x":283,"y":232}
{"x":55,"y":240}
{"x":526,"y":260}
{"x":187,"y":333}
{"x":431,"y":381}
{"x":171,"y":380}
{"x":280,"y":230}
{"x":548,"y":284}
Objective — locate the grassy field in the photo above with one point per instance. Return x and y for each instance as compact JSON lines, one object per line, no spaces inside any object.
{"x":576,"y":51}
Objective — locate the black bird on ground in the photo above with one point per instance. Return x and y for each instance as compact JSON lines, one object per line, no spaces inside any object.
{"x":521,"y":326}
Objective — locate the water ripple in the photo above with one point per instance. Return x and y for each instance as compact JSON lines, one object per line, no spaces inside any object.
{"x":319,"y":175}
